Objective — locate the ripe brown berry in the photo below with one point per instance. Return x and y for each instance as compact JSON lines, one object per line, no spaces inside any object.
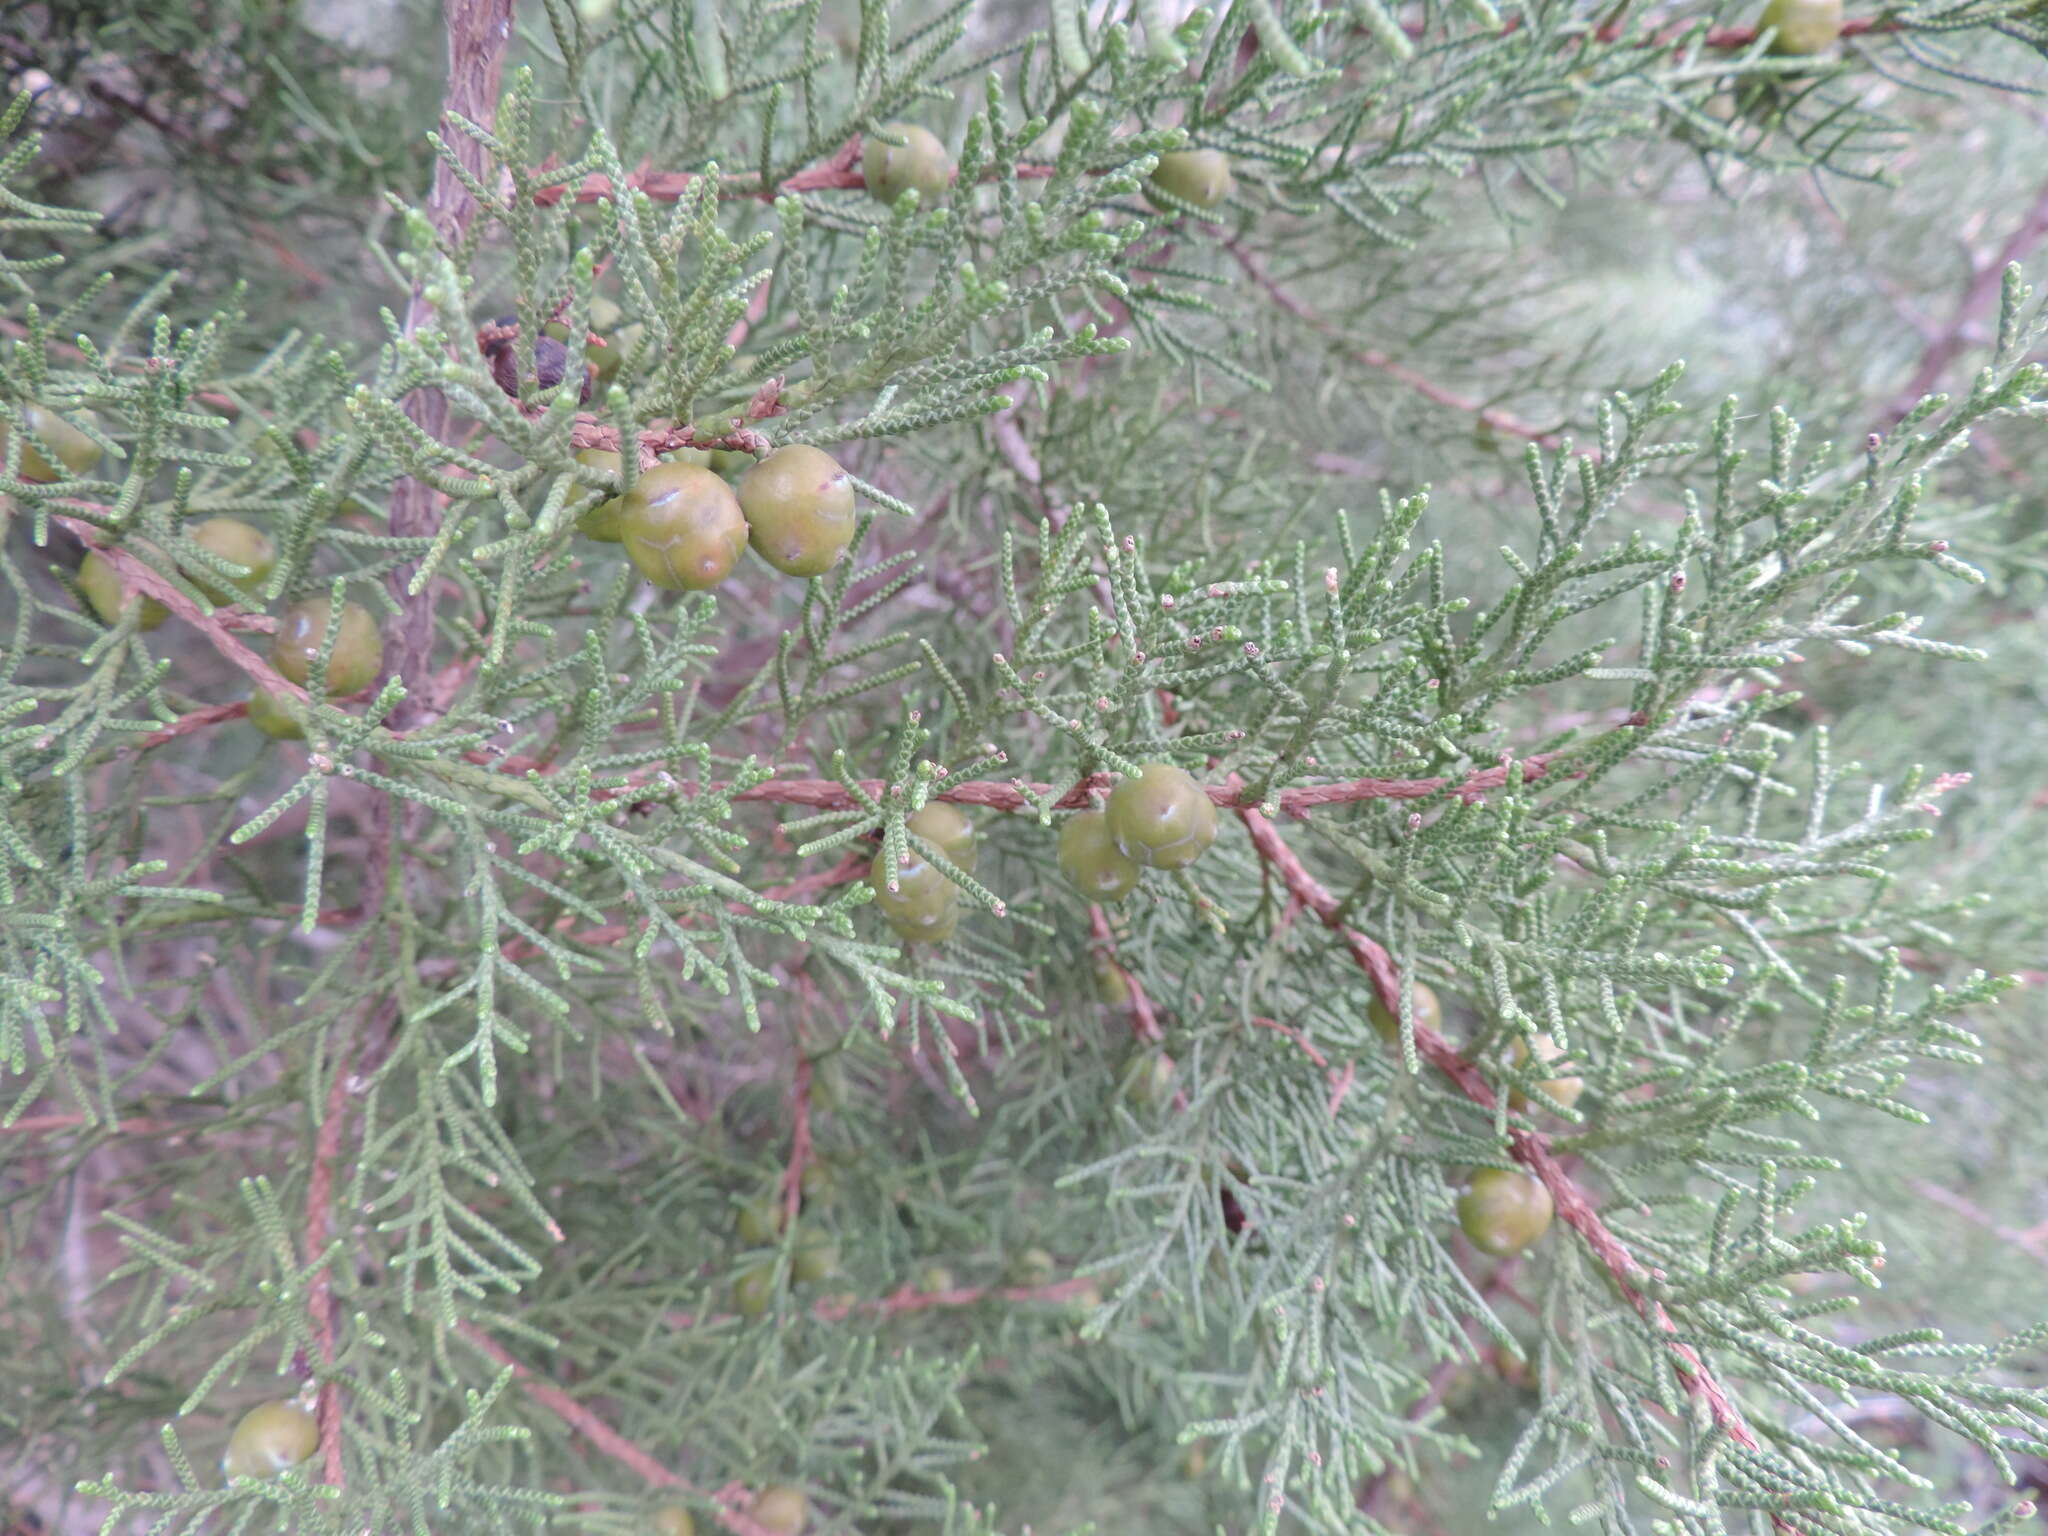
{"x":782,"y":1509}
{"x":1091,"y":860}
{"x":682,"y":527}
{"x":268,"y":714}
{"x":1802,"y":26}
{"x":602,"y":521}
{"x":799,"y":509}
{"x":1198,"y":176}
{"x":1162,"y":818}
{"x":1428,"y":1014}
{"x":919,"y":161}
{"x":947,"y":825}
{"x":74,"y":450}
{"x":269,"y":1438}
{"x":1565,"y":1090}
{"x":101,"y":584}
{"x":1504,"y":1210}
{"x":238,"y":543}
{"x":358,"y":651}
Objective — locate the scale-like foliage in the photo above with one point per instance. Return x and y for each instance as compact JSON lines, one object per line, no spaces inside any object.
{"x":477,"y":1038}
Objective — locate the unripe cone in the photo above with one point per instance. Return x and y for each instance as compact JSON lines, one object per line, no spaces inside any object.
{"x":920,"y":161}
{"x":753,"y":1290}
{"x":1802,"y":26}
{"x":924,"y":905}
{"x":242,"y":544}
{"x":1565,"y":1090}
{"x":1198,"y":176}
{"x":1428,"y":1013}
{"x":782,"y":1509}
{"x":1091,"y":860}
{"x":74,"y":450}
{"x":268,"y":714}
{"x":1503,"y":1211}
{"x":760,"y":1221}
{"x":602,"y":521}
{"x":1112,"y":986}
{"x":1162,"y":818}
{"x":1148,"y":1082}
{"x":270,"y":1437}
{"x":682,"y":527}
{"x":947,"y":825}
{"x":816,"y":1258}
{"x":799,"y":509}
{"x":301,"y":631}
{"x":101,"y":584}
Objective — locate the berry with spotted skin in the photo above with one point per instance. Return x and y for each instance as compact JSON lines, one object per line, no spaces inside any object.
{"x":1198,"y":176}
{"x":799,"y":509}
{"x":270,"y":1437}
{"x":1162,"y":818}
{"x":358,"y":652}
{"x":919,"y":161}
{"x":1504,"y":1210}
{"x":682,"y":527}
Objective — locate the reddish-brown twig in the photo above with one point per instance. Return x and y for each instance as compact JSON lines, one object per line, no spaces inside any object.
{"x":1144,"y":1020}
{"x":138,"y":576}
{"x":478,"y":33}
{"x":196,"y":720}
{"x":610,"y":1441}
{"x":840,"y":171}
{"x":320,"y":1295}
{"x":799,"y":1142}
{"x":1529,"y":1147}
{"x":1021,"y":795}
